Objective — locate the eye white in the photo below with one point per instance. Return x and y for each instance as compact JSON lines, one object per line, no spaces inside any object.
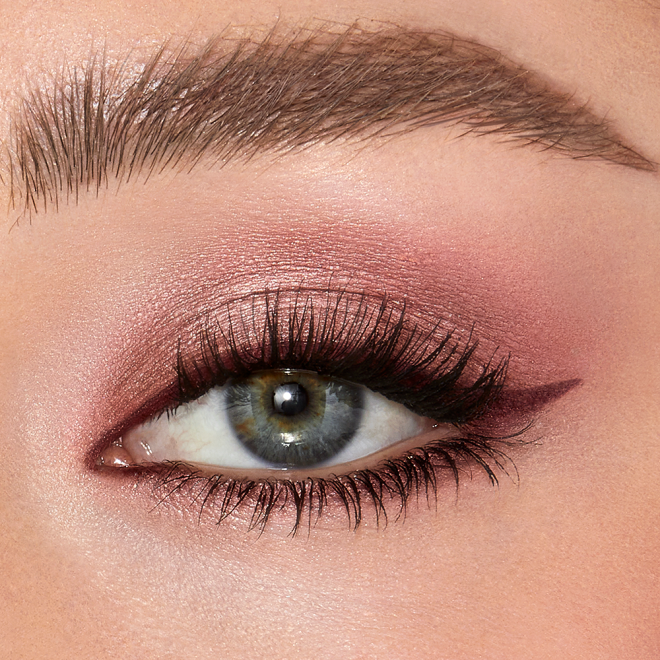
{"x":200,"y":432}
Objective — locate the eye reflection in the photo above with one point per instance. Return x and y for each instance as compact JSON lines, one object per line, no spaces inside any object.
{"x":277,"y":419}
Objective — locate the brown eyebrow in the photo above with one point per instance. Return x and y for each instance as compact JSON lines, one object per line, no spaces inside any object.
{"x":235,"y":98}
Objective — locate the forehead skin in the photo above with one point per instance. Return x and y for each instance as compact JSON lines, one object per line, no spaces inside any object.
{"x":561,"y":257}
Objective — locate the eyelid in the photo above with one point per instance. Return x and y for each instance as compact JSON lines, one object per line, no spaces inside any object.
{"x":362,"y":339}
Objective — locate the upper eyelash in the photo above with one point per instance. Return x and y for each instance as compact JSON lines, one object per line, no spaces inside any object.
{"x":358,"y":338}
{"x":373,"y":344}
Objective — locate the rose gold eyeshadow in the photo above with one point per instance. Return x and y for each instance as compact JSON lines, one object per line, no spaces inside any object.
{"x":145,"y":380}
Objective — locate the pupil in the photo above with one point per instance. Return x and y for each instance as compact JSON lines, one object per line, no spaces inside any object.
{"x":290,"y":399}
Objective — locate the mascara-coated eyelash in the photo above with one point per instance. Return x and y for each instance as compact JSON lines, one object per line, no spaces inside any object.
{"x":356,"y":338}
{"x":352,"y":337}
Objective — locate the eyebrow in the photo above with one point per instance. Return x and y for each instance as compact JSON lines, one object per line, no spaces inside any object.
{"x":236,"y":98}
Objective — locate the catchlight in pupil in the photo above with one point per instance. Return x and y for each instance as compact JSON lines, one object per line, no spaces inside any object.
{"x":290,"y":399}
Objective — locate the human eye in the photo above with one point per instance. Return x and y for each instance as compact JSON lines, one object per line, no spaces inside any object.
{"x":284,"y":419}
{"x":304,"y":401}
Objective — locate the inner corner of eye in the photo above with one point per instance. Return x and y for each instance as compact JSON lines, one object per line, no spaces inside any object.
{"x":115,"y":455}
{"x":277,"y":420}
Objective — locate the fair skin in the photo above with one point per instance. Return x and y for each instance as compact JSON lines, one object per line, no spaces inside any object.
{"x":554,"y":260}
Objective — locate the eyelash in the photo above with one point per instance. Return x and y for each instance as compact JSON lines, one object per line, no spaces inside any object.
{"x":364,"y":340}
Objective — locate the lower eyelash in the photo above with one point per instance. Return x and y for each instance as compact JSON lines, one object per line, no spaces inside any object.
{"x":386,"y":490}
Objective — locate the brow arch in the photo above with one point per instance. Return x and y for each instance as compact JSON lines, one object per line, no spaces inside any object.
{"x":231,"y":99}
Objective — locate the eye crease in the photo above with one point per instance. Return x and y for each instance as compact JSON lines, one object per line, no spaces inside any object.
{"x":333,"y":399}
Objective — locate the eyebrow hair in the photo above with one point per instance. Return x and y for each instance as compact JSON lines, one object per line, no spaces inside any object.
{"x":234,"y":98}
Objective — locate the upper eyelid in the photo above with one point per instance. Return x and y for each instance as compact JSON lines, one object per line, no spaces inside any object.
{"x":189,"y":104}
{"x":334,"y":332}
{"x":345,"y":321}
{"x":360,"y":338}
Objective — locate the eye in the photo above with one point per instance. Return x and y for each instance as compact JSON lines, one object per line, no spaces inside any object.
{"x":298,"y":403}
{"x":281,"y":419}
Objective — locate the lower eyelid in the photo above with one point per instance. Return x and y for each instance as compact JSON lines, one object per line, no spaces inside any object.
{"x":380,"y":495}
{"x":380,"y":488}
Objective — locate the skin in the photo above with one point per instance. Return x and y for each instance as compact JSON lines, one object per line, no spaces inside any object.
{"x":553,"y":260}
